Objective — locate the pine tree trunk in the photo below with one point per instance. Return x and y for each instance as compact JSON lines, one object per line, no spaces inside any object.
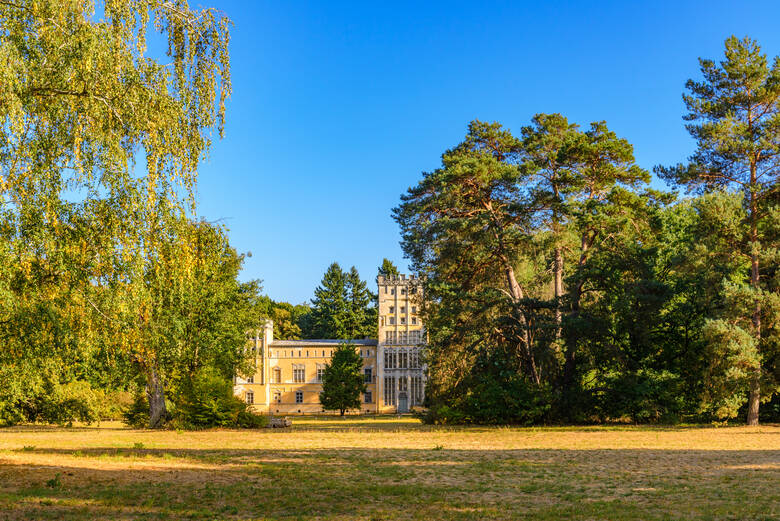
{"x":558,"y":272}
{"x":158,"y":413}
{"x":754,"y":398}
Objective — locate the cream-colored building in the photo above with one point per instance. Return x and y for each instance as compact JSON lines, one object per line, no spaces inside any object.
{"x":289,"y":372}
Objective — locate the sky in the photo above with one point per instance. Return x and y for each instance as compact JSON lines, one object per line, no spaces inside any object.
{"x":338,"y":107}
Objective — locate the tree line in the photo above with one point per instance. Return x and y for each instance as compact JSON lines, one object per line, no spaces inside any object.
{"x":562,"y":287}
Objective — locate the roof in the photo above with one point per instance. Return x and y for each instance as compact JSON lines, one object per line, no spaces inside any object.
{"x":321,"y":342}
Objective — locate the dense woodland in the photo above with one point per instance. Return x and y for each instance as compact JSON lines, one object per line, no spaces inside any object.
{"x":560,"y":287}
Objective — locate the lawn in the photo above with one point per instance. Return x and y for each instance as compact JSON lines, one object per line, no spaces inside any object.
{"x":389,"y":468}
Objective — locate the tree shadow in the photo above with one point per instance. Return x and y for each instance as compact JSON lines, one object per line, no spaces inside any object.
{"x":383,"y":483}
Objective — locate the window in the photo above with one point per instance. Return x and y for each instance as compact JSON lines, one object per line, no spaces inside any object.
{"x":320,"y":371}
{"x":299,"y":373}
{"x":389,"y":390}
{"x":270,"y":354}
{"x":250,"y":397}
{"x":392,"y":291}
{"x":277,"y":375}
{"x":417,"y":390}
{"x":367,"y":398}
{"x":278,"y":396}
{"x":298,"y":396}
{"x":392,"y":321}
{"x":392,"y":309}
{"x":414,"y":309}
{"x":403,"y":309}
{"x":307,"y":354}
{"x":323,"y":352}
{"x":403,"y":291}
{"x":385,"y":290}
{"x":250,"y":379}
{"x":367,"y":375}
{"x":414,"y":320}
{"x":403,"y":320}
{"x":299,"y":353}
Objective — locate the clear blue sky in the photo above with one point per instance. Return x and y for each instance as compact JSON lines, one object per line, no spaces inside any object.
{"x":339,"y":107}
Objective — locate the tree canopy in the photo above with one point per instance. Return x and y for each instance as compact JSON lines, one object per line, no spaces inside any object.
{"x":343,"y":381}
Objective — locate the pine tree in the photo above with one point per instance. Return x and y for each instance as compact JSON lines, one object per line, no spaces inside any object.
{"x":343,"y":380}
{"x":734,"y":116}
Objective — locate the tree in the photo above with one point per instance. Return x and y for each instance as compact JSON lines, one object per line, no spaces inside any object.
{"x":485,"y":229}
{"x":388,"y":268}
{"x":329,"y":305}
{"x":362,"y":312}
{"x":342,"y":381}
{"x":343,"y":307}
{"x":81,"y":97}
{"x":734,"y":116}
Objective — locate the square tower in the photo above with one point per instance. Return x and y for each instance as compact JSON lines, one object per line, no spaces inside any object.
{"x":401,"y":374}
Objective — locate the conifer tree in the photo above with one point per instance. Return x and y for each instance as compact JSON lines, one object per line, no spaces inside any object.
{"x":343,"y":307}
{"x":388,"y":268}
{"x":362,"y":312}
{"x":734,"y":117}
{"x":329,"y":305}
{"x":343,"y":380}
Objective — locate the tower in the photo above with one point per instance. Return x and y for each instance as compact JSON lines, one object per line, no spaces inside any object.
{"x":400,"y":375}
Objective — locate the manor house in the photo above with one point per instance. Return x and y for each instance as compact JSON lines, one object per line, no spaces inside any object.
{"x":288,"y":379}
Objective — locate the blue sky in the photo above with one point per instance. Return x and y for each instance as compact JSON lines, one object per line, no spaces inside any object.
{"x":339,"y":106}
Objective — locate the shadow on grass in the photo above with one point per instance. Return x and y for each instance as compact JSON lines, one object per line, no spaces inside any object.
{"x":384,"y":484}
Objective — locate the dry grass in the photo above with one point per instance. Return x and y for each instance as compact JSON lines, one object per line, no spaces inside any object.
{"x":389,"y":468}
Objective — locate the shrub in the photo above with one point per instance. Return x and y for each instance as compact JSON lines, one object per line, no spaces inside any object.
{"x":493,"y":402}
{"x":207,"y":400}
{"x":137,"y":413}
{"x":643,"y":396}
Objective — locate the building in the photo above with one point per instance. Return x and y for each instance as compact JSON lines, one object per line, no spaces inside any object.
{"x":289,"y":372}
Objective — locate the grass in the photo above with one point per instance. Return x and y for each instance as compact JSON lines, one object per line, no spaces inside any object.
{"x":390,"y":468}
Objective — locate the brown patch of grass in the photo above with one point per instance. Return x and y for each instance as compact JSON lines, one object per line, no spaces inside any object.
{"x":389,"y":468}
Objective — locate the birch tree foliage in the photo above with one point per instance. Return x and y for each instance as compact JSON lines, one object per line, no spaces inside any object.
{"x":97,"y":126}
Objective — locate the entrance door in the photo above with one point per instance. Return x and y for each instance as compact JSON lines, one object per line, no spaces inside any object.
{"x":403,"y":402}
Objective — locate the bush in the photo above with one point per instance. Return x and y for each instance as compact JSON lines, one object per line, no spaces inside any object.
{"x":493,"y":402}
{"x":137,"y":413}
{"x":644,"y":396}
{"x":52,"y":402}
{"x":207,"y":400}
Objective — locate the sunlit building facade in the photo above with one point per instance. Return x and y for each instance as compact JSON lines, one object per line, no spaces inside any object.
{"x":288,"y":376}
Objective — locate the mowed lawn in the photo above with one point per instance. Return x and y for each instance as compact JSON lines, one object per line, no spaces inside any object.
{"x":390,"y":468}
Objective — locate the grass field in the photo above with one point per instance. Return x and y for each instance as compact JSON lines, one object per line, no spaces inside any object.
{"x":390,"y":468}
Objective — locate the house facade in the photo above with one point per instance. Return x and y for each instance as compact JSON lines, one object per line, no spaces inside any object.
{"x":288,"y":376}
